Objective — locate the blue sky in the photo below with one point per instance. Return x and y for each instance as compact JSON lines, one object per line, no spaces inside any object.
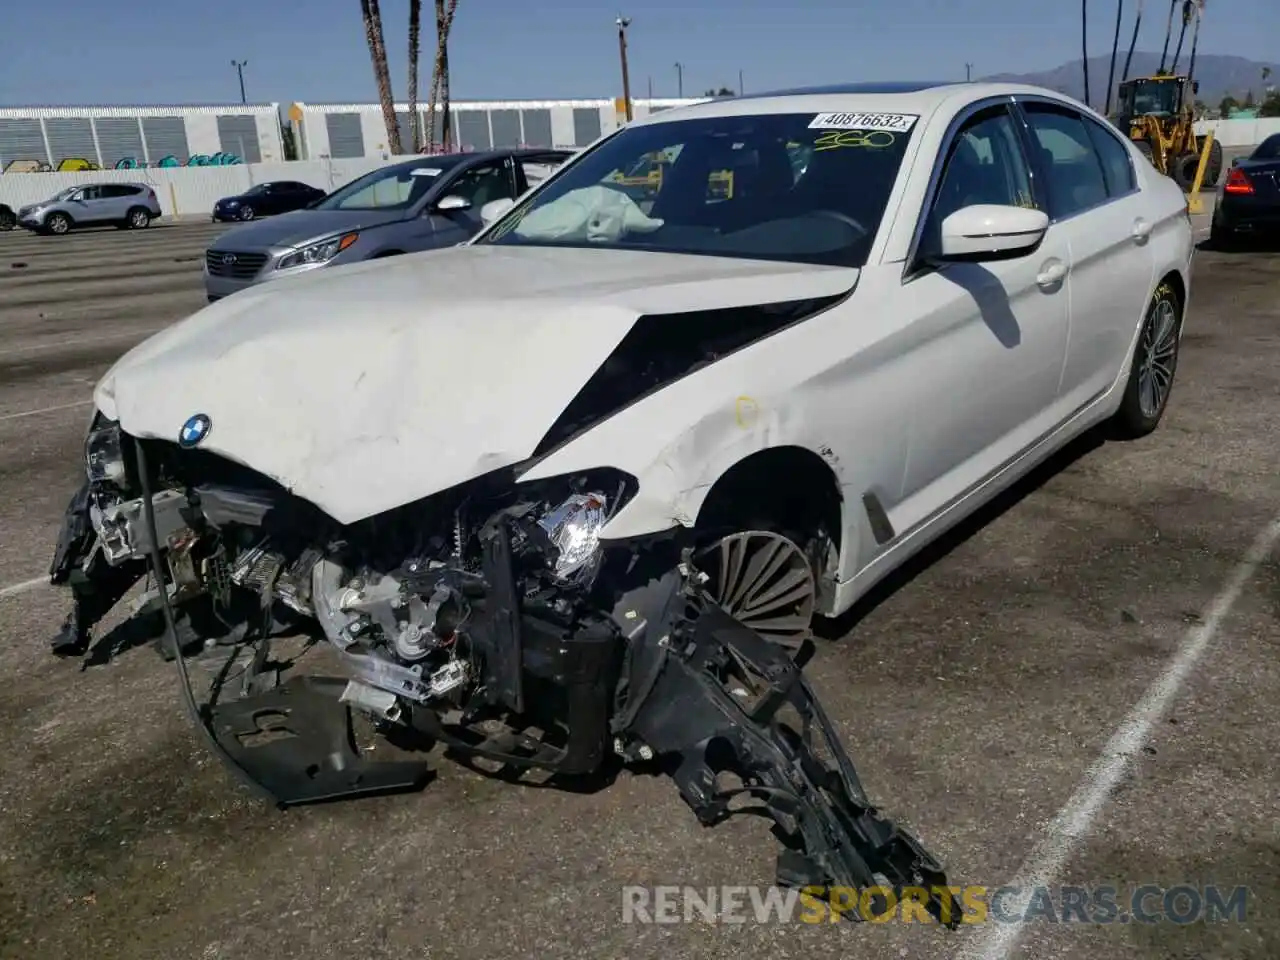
{"x":81,"y":52}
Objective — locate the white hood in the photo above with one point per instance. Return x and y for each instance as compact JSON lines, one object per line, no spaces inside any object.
{"x":366,"y":387}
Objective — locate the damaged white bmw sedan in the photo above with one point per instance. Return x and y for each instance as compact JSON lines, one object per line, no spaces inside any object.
{"x":580,"y":487}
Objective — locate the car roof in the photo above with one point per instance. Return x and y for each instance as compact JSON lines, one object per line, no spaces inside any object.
{"x":917,"y":97}
{"x":451,"y":160}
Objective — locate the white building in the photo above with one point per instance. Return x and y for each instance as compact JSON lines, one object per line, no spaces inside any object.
{"x":43,"y":139}
{"x":62,"y":139}
{"x":357,"y":130}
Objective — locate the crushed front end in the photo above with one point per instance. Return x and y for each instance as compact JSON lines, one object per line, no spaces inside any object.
{"x":490,"y":618}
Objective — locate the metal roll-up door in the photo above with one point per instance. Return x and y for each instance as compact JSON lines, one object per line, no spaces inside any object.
{"x":166,"y":137}
{"x":238,"y":136}
{"x":22,"y":144}
{"x":346,"y":138}
{"x":120,"y":142}
{"x":71,"y":143}
{"x":586,"y":125}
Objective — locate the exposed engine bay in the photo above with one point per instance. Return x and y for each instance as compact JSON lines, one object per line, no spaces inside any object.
{"x":491,"y":619}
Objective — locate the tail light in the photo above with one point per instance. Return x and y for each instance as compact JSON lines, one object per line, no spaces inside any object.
{"x":1238,"y":182}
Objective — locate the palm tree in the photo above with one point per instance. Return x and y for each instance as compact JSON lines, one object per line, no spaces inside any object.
{"x":440,"y":75}
{"x":1168,"y":32}
{"x":1195,"y":37}
{"x":1133,"y":42}
{"x":372,"y":15}
{"x":1115,"y":44}
{"x":1084,"y":45}
{"x":1187,"y":7}
{"x":415,"y":45}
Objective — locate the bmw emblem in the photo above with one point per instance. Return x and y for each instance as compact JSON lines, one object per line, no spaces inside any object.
{"x":194,"y":430}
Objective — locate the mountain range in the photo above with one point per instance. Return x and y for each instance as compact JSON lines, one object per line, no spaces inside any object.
{"x":1217,"y":74}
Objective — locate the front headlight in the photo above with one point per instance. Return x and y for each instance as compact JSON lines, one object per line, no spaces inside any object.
{"x":572,"y":528}
{"x":574,"y":531}
{"x":104,"y":454}
{"x":321,"y":252}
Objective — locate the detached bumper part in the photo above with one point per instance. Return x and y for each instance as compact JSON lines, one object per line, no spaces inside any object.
{"x":723,"y":700}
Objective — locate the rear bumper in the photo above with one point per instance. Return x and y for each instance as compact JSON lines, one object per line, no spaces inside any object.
{"x":1234,"y":213}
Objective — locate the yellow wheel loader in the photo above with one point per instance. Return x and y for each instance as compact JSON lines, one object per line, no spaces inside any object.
{"x":1158,"y":114}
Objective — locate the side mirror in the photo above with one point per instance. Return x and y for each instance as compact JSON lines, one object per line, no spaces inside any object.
{"x":984,"y":232}
{"x":453,"y":203}
{"x":492,"y":210}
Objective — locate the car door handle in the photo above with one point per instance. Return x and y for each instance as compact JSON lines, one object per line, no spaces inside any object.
{"x":1141,"y":230}
{"x":1051,"y":273}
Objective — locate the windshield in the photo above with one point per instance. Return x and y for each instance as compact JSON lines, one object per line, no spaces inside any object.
{"x":391,"y":188}
{"x":799,"y":187}
{"x":1147,"y":97}
{"x":1269,"y":149}
{"x":255,"y":191}
{"x":64,"y":193}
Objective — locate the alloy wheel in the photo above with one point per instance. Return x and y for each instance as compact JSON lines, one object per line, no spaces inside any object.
{"x":765,"y":581}
{"x":1159,"y":356}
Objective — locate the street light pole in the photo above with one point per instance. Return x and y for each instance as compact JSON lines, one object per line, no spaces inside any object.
{"x":680,"y":80}
{"x":740,"y":90}
{"x":968,"y":71}
{"x":623,"y":23}
{"x":240,"y":65}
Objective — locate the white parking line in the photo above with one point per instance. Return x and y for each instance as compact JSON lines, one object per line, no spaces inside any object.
{"x":1072,"y":824}
{"x":14,"y":589}
{"x":118,"y":335}
{"x":32,"y":413}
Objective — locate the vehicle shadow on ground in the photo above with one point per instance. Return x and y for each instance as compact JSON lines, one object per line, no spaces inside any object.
{"x":1266,"y":243}
{"x":837,"y":628}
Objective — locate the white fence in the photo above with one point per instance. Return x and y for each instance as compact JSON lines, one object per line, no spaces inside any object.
{"x":191,"y":191}
{"x":1240,"y":132}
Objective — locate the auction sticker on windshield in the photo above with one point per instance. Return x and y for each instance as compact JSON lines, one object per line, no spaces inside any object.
{"x":897,"y":122}
{"x":424,"y":172}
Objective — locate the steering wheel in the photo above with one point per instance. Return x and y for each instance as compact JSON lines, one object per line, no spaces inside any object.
{"x":844,"y":218}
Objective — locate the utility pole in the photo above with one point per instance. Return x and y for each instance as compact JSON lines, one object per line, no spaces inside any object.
{"x":968,"y":72}
{"x":240,"y":65}
{"x":623,"y":23}
{"x":651,"y":88}
{"x":680,"y":80}
{"x":740,"y":90}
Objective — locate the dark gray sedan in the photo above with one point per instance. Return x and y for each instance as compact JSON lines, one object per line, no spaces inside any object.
{"x":421,"y":204}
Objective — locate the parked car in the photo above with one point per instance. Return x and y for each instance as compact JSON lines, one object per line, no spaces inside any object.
{"x":419,"y":204}
{"x":8,"y":219}
{"x":511,"y":481}
{"x":266,"y":200}
{"x":128,"y":206}
{"x":1249,"y":199}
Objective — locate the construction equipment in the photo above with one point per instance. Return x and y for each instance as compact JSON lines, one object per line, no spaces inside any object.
{"x":1158,"y":114}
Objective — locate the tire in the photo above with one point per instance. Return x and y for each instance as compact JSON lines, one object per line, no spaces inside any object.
{"x":57,"y":223}
{"x":1220,"y":238}
{"x":765,"y":578}
{"x":1184,"y":169}
{"x":139,"y":218}
{"x":8,"y":220}
{"x":1141,"y":409}
{"x":246,"y":212}
{"x":1213,"y":169}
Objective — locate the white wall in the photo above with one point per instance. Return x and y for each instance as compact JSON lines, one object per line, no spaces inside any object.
{"x":190,"y":191}
{"x":1240,"y":132}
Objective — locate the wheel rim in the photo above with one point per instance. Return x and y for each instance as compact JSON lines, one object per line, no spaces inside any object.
{"x":139,"y":218}
{"x":765,"y":581}
{"x":246,"y":213}
{"x":58,"y":225}
{"x":1159,"y":357}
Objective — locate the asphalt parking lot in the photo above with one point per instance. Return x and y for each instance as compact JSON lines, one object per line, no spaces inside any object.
{"x":979,"y":697}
